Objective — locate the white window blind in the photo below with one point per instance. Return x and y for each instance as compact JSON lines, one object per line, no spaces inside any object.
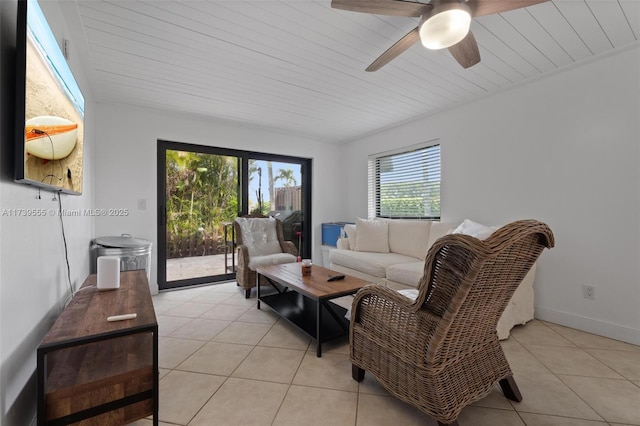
{"x":405,"y":184}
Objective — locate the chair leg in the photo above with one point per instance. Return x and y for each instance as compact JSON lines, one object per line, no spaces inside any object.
{"x":357,"y":373}
{"x":247,"y":293}
{"x":510,"y":389}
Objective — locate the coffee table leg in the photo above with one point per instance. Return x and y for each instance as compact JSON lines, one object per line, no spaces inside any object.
{"x":318,"y":327}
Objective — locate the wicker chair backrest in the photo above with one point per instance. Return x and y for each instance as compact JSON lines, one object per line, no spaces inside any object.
{"x":468,"y":284}
{"x":238,"y":229}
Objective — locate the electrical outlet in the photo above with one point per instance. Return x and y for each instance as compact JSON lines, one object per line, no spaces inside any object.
{"x":142,"y":204}
{"x":589,"y":292}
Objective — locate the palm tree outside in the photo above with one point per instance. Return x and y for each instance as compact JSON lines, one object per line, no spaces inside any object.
{"x":286,"y":175}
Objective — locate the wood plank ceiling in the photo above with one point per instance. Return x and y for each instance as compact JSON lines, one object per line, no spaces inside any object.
{"x":298,"y":65}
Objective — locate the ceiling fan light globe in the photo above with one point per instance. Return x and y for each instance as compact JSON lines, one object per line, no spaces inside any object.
{"x":444,"y":28}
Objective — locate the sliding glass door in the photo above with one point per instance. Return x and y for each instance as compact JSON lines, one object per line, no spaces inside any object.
{"x":275,"y":189}
{"x":199,"y":199}
{"x":201,"y":190}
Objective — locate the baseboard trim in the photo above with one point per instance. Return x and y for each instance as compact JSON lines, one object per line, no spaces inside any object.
{"x":590,"y":325}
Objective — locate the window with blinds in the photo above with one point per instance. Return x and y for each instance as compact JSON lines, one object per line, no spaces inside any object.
{"x":405,"y":184}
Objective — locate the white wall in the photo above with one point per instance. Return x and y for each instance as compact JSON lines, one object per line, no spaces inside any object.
{"x":127,"y":156}
{"x":33,"y":271}
{"x":563,"y":150}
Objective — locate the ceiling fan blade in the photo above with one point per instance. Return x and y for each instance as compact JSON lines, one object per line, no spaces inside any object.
{"x":383,"y":7}
{"x":466,"y":52}
{"x":400,"y":46}
{"x":489,"y":7}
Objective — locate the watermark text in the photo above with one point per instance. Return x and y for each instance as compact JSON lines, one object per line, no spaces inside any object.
{"x":63,"y":212}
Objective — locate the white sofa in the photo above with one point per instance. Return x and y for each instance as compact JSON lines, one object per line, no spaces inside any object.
{"x":392,"y":253}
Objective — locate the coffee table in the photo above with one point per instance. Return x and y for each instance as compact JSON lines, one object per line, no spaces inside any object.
{"x":304,"y":302}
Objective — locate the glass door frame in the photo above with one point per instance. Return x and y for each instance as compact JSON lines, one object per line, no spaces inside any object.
{"x":243,"y":197}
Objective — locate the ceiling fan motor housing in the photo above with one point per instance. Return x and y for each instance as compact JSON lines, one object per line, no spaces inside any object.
{"x":445,"y":25}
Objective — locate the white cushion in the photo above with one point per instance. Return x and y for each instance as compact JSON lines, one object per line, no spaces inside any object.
{"x":374,"y":264}
{"x":411,"y":293}
{"x":409,"y":237}
{"x":406,"y":273}
{"x":259,"y":235}
{"x":372,"y":236}
{"x":477,"y":230}
{"x":350,"y":230}
{"x":438,"y":230}
{"x":270,"y":259}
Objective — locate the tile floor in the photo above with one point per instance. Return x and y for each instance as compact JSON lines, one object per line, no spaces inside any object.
{"x":223,"y":362}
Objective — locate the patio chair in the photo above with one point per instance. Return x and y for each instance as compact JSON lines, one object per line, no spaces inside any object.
{"x":260,"y":242}
{"x":440,"y":352}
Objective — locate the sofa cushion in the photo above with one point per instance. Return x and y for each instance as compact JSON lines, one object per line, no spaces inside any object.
{"x":372,"y":236}
{"x":270,"y":259}
{"x":406,"y":273}
{"x":438,"y":230}
{"x":474,"y":229}
{"x":259,"y":235}
{"x":373,"y":264}
{"x":409,"y":237}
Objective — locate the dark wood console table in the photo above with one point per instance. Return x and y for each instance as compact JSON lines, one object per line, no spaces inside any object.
{"x":98,"y":372}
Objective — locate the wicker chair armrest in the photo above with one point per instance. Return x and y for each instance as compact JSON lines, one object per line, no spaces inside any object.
{"x":243,"y":260}
{"x":242,"y":268}
{"x":243,"y":256}
{"x":289,"y":247}
{"x":377,"y":290}
{"x":391,"y":320}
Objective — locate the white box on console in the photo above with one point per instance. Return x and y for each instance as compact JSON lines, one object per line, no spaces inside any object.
{"x":108,"y":273}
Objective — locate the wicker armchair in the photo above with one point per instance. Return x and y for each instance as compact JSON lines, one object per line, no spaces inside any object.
{"x":260,"y":242}
{"x":440,"y":352}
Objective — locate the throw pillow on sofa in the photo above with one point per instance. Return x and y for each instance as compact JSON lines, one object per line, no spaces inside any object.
{"x":409,"y":237}
{"x":475,"y":229}
{"x":372,"y":236}
{"x":350,"y":230}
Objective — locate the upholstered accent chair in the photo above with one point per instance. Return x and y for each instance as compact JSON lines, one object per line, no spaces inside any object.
{"x":260,"y":242}
{"x":440,"y":352}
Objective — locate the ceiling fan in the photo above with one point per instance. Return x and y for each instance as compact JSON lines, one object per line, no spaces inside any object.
{"x":443,"y":24}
